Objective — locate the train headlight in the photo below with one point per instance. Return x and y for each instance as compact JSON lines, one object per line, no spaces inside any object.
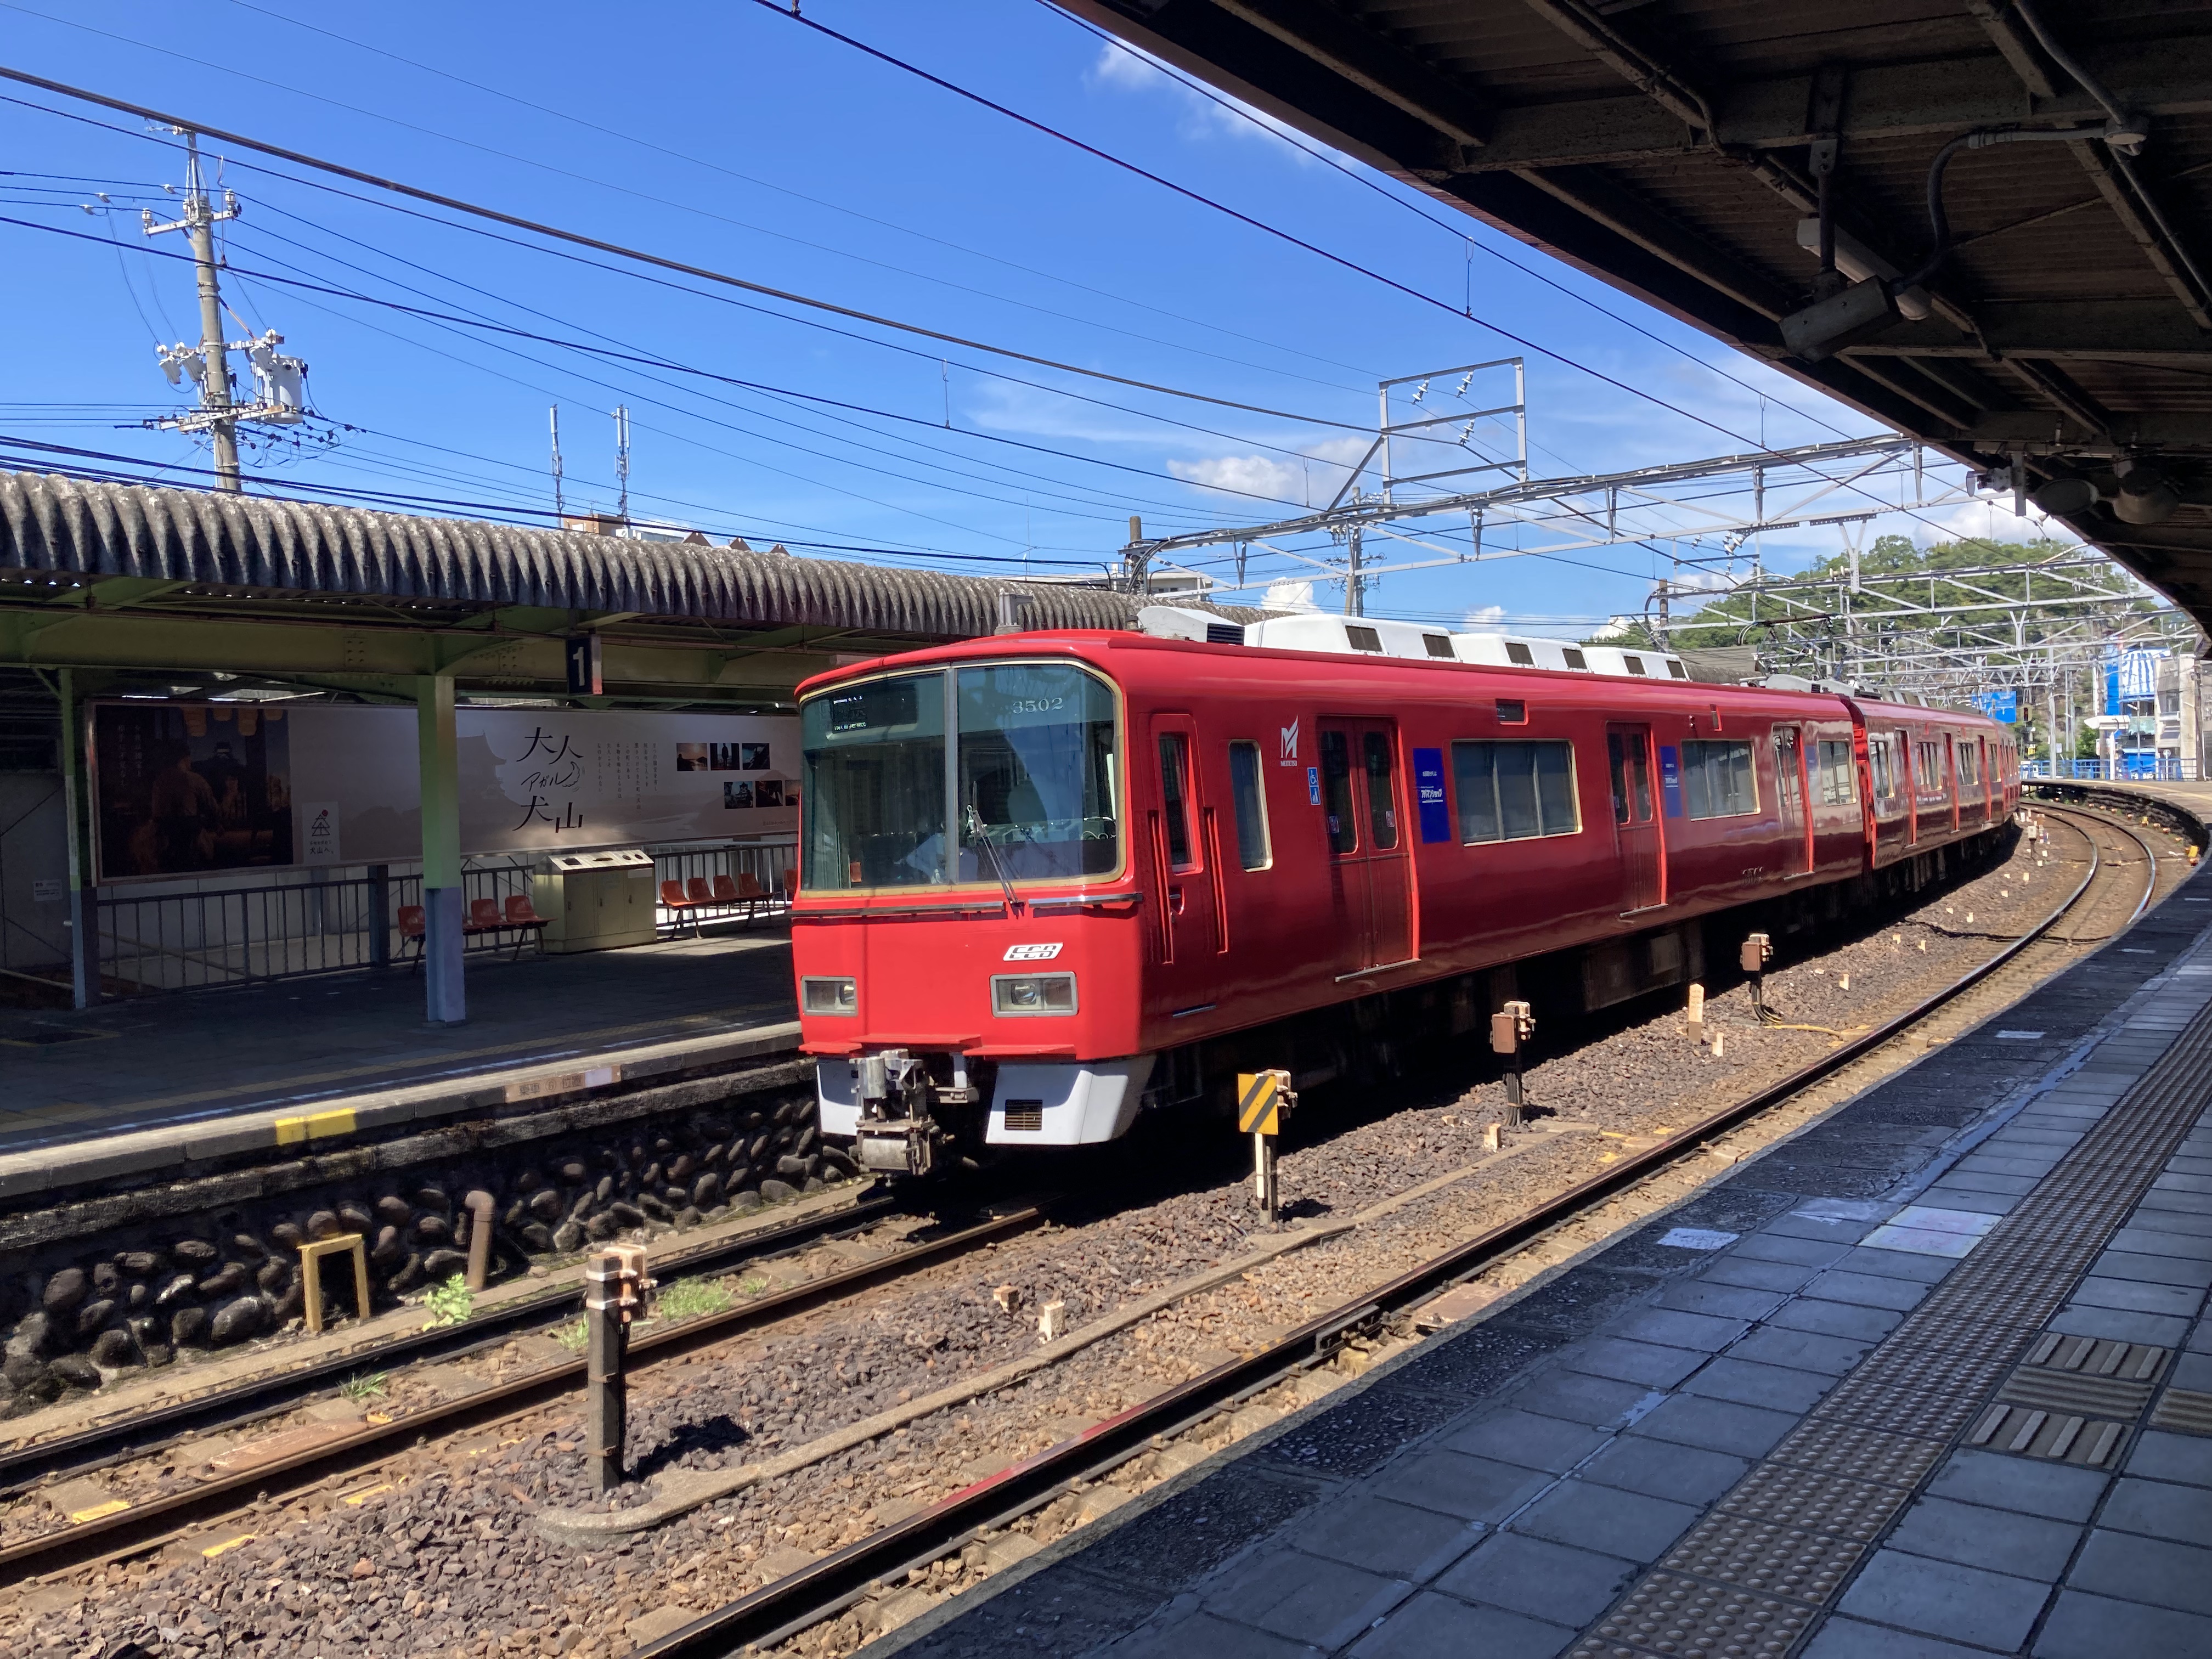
{"x":829,"y":996}
{"x":1033,"y":993}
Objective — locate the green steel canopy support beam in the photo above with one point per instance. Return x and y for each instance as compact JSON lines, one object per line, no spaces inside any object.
{"x":445,"y":992}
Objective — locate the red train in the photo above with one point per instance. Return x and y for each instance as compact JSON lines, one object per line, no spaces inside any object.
{"x":1140,"y":864}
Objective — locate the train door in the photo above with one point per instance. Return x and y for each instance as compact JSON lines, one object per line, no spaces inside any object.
{"x":1188,"y":935}
{"x":1370,"y":867}
{"x":1635,"y":818}
{"x":1909,"y":777}
{"x":1789,"y":805}
{"x":1950,"y":752}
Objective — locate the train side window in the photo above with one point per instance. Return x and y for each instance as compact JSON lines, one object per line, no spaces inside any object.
{"x":1514,"y":790}
{"x":1881,"y":758}
{"x":1175,"y":792}
{"x":1717,"y":779}
{"x":1519,"y":654}
{"x":1631,"y":779}
{"x":1838,"y":777}
{"x":1253,"y":851}
{"x":1381,"y":793}
{"x":1970,"y":766}
{"x":1336,"y":792}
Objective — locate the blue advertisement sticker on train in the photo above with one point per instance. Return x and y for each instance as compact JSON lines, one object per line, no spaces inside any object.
{"x":1670,"y":778}
{"x":1429,"y":794}
{"x":1313,"y":785}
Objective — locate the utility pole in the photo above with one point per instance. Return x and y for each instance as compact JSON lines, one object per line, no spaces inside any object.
{"x":559,"y":509}
{"x":1355,"y":585}
{"x":212,"y":360}
{"x":621,"y":462}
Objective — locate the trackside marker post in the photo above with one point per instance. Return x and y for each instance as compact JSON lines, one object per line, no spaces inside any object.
{"x":1509,"y":1027}
{"x":618,"y":1287}
{"x":1262,"y":1098}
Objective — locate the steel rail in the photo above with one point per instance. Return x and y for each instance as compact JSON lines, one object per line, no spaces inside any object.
{"x":2150,"y":857}
{"x":822,"y":1590}
{"x":143,"y":1524}
{"x":109,"y":1443}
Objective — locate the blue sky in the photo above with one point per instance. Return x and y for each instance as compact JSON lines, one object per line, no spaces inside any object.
{"x":731,"y":137}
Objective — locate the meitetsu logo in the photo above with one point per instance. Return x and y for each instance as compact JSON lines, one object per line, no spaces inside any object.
{"x":1291,"y":744}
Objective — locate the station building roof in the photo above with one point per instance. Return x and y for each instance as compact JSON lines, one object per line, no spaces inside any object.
{"x":1665,"y":146}
{"x":116,"y":580}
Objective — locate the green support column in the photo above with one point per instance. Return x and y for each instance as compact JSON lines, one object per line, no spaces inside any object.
{"x":443,"y":907}
{"x":78,"y":819}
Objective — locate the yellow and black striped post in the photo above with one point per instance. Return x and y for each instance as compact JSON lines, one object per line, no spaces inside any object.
{"x":1262,"y":1098}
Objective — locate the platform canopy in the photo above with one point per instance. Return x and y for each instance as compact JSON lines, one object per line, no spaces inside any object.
{"x":1668,"y":147}
{"x":120,"y":582}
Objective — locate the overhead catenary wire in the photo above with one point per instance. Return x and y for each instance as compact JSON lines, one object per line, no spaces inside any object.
{"x":1463,"y":233}
{"x":703,"y":273}
{"x":730,"y":300}
{"x":523,"y":159}
{"x":762,"y":387}
{"x":41,"y":451}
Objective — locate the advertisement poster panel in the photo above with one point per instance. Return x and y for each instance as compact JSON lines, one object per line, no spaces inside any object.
{"x":193,"y":789}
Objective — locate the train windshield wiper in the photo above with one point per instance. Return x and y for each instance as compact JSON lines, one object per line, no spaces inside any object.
{"x":983,"y":838}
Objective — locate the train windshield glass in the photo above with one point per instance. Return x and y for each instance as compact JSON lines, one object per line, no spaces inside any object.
{"x":1029,"y":783}
{"x":1036,"y":772}
{"x":872,"y":813}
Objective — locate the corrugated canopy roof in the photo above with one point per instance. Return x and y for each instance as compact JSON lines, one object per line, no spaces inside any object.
{"x":252,"y":545}
{"x":1666,"y":146}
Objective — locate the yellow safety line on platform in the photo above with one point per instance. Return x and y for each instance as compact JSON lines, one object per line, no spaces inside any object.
{"x":291,"y":1131}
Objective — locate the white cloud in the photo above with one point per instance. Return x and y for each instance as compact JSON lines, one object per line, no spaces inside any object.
{"x":1251,"y":475}
{"x":1198,"y":117}
{"x":1989,"y":518}
{"x":1309,"y":478}
{"x":1289,"y":595}
{"x":1489,"y":619}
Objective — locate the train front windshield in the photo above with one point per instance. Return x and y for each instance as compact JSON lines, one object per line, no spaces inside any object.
{"x":1028,"y":786}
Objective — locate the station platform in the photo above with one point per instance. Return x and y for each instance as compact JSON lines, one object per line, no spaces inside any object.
{"x":1932,"y":1379}
{"x":168,"y":1072}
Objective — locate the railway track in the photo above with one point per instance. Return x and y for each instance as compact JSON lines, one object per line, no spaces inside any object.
{"x":782,"y":1609}
{"x":836,"y":1580}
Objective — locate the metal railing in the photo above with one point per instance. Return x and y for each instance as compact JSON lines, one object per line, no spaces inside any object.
{"x":774,"y":865}
{"x":2133,"y":768}
{"x":335,"y":922}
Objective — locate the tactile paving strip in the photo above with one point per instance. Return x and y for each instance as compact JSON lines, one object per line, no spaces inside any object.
{"x":2137,"y":1362}
{"x":2185,"y":1409}
{"x":1864,"y":1454}
{"x":2067,"y":1438}
{"x":1670,"y":1614}
{"x":1813,"y":1501}
{"x":1796,"y":1525}
{"x":1757,"y":1555}
{"x":2070,"y":1391}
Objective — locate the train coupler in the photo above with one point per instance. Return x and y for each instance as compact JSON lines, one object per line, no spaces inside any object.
{"x":895,"y":1146}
